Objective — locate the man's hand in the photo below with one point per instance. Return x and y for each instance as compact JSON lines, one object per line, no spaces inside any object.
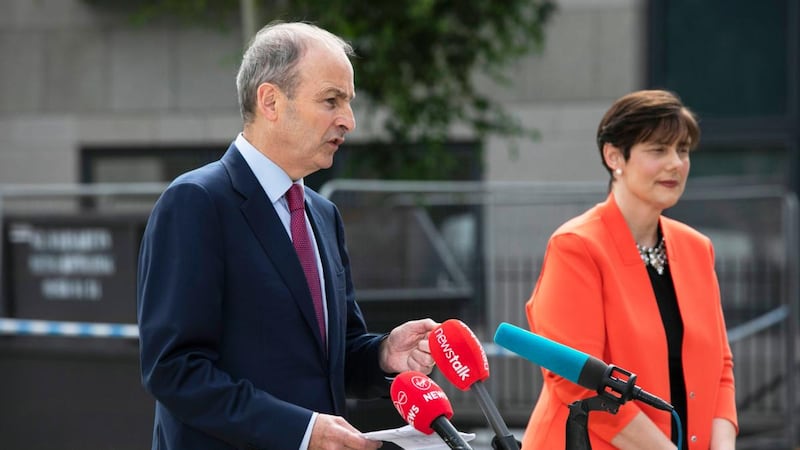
{"x":407,"y":348}
{"x":333,"y":432}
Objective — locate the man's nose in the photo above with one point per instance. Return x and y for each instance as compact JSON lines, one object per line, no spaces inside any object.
{"x":347,"y":120}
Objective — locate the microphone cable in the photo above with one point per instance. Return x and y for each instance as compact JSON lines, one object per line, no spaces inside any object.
{"x":680,"y":428}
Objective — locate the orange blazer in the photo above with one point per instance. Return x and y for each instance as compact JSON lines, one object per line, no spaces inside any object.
{"x":594,"y":294}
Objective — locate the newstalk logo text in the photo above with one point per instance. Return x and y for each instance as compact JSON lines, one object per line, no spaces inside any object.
{"x":460,"y":369}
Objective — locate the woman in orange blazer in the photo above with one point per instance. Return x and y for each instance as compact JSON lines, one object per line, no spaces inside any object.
{"x":627,"y":285}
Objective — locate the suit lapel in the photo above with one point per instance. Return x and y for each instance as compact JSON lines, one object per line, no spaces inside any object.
{"x":620,"y":233}
{"x":635,"y":273}
{"x":268,"y":229}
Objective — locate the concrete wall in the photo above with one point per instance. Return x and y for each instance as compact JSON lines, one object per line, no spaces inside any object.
{"x":594,"y":53}
{"x":75,"y":76}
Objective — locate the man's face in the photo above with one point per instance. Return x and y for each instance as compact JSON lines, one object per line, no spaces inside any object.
{"x":314,"y":122}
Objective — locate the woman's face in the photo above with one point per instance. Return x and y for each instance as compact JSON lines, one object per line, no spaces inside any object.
{"x":655,"y":174}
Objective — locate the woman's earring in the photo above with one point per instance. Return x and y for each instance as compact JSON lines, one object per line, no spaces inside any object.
{"x":618,"y":171}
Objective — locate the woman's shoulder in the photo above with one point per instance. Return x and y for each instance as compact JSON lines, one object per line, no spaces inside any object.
{"x":585,"y":224}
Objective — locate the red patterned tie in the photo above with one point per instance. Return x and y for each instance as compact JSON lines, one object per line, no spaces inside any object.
{"x":303,"y":246}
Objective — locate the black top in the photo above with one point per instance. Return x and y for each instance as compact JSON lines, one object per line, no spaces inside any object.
{"x":673,"y":326}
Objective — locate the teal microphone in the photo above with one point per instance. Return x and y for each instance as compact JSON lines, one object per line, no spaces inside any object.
{"x":576,"y":366}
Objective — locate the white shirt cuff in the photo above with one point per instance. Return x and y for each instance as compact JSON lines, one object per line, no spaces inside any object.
{"x":307,"y":436}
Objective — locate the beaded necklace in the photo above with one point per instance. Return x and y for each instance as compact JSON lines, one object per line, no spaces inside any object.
{"x":654,"y":256}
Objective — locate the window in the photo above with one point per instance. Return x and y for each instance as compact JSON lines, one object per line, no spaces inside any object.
{"x":144,"y":164}
{"x":735,"y":63}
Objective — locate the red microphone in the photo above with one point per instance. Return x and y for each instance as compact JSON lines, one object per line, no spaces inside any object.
{"x":424,"y":405}
{"x":458,"y":354}
{"x":460,"y":357}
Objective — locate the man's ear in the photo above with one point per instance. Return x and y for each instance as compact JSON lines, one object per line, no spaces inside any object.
{"x":268,"y":96}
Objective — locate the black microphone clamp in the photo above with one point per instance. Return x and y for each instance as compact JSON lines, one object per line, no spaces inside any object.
{"x":505,"y":442}
{"x":620,"y":384}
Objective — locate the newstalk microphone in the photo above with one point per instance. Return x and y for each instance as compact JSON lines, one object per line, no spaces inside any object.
{"x":578,"y":367}
{"x":424,"y":406}
{"x":460,"y":357}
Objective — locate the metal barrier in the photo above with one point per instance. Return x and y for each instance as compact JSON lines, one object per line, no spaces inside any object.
{"x":499,"y":231}
{"x":68,"y":339}
{"x":474,"y":250}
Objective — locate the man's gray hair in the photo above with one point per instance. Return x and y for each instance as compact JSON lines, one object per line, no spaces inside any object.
{"x":272,"y":57}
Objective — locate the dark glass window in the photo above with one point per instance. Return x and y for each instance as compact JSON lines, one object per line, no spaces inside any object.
{"x":727,"y":58}
{"x":735,"y":63}
{"x":763,"y":163}
{"x":144,"y":165}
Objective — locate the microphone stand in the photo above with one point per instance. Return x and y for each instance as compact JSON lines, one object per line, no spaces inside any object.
{"x":578,"y":419}
{"x":611,"y":394}
{"x":503,"y":439}
{"x":505,"y":442}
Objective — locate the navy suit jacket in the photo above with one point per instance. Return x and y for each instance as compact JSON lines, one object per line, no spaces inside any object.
{"x":228,"y":339}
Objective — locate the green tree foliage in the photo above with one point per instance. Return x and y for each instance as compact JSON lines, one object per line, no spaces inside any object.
{"x":416,"y":61}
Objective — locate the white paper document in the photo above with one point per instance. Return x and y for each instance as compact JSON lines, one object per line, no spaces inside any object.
{"x":409,"y":438}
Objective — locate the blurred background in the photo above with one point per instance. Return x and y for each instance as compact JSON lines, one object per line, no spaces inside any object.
{"x":475,"y":140}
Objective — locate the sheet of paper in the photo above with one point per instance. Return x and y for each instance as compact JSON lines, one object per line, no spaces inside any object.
{"x":409,"y":438}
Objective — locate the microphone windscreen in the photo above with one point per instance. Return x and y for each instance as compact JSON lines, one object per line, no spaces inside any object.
{"x":419,"y":400}
{"x":564,"y":361}
{"x":458,"y":354}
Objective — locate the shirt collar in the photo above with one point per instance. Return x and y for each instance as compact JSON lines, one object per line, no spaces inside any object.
{"x":270,"y":176}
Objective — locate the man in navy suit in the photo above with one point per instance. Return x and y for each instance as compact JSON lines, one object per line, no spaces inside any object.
{"x":242,"y":345}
